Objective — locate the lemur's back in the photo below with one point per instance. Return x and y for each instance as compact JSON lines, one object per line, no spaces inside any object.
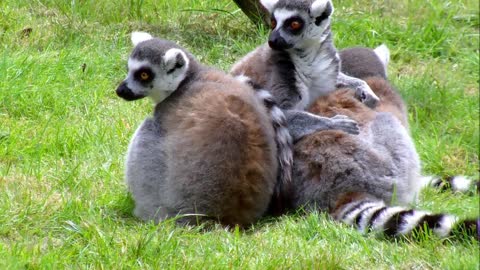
{"x":219,"y":158}
{"x":221,"y":150}
{"x":380,"y":161}
{"x":209,"y":150}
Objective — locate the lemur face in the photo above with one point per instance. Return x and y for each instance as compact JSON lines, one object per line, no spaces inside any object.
{"x":297,"y":24}
{"x":155,"y":69}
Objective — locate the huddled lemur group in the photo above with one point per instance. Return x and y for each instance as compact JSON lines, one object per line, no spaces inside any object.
{"x":295,"y":124}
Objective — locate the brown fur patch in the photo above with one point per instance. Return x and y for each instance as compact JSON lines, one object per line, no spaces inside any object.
{"x":223,"y":126}
{"x":343,"y":102}
{"x":316,"y":149}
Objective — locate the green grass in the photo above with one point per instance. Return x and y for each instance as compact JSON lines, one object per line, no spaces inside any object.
{"x":64,"y":133}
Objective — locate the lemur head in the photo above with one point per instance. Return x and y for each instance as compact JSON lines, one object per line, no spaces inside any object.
{"x":297,"y":24}
{"x":156,"y":68}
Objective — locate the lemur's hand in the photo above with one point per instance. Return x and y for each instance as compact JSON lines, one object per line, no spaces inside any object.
{"x":301,"y":124}
{"x":364,"y":93}
{"x":345,"y":123}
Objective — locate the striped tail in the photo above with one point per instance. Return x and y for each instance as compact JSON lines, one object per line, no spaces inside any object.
{"x":282,"y":136}
{"x":459,"y":183}
{"x":369,"y":214}
{"x":284,"y":142}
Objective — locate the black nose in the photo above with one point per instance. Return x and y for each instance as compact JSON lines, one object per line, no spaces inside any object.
{"x":126,"y":93}
{"x":277,"y":42}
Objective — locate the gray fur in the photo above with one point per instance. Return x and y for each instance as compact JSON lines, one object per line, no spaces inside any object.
{"x":208,"y":150}
{"x":145,"y":170}
{"x":344,"y":80}
{"x":149,"y":50}
{"x":363,"y":62}
{"x":294,"y":5}
{"x":284,"y":142}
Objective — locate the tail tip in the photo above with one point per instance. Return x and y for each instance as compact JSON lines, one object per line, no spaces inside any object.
{"x":461,"y":183}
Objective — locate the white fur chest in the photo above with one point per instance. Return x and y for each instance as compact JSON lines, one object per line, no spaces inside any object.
{"x":316,"y":75}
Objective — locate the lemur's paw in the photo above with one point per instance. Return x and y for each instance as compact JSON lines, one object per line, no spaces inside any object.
{"x":345,"y":123}
{"x":364,"y":93}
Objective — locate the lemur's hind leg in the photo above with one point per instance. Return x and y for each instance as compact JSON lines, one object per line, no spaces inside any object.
{"x":363,"y":92}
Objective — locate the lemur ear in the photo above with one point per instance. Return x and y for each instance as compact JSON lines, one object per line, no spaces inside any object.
{"x":383,"y":53}
{"x":175,"y":59}
{"x":138,"y":37}
{"x":321,"y":8}
{"x":269,"y":4}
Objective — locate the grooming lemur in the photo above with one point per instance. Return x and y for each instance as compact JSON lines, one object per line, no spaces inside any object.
{"x":299,"y":63}
{"x":209,"y":148}
{"x":359,"y":179}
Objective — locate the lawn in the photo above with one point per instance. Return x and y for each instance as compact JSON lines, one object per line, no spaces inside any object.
{"x":64,"y":134}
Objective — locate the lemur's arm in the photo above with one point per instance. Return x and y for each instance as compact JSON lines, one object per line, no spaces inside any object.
{"x":363,"y":92}
{"x":301,"y":123}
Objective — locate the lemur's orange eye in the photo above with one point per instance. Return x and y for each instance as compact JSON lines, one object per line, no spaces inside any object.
{"x":144,"y":76}
{"x":273,"y":23}
{"x":295,"y":25}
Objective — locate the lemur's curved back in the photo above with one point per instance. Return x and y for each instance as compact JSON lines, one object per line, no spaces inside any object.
{"x":360,"y":179}
{"x":208,"y":151}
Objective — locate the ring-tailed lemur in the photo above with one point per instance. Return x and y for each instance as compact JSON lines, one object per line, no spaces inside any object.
{"x":208,"y":150}
{"x":360,"y":178}
{"x":299,"y":63}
